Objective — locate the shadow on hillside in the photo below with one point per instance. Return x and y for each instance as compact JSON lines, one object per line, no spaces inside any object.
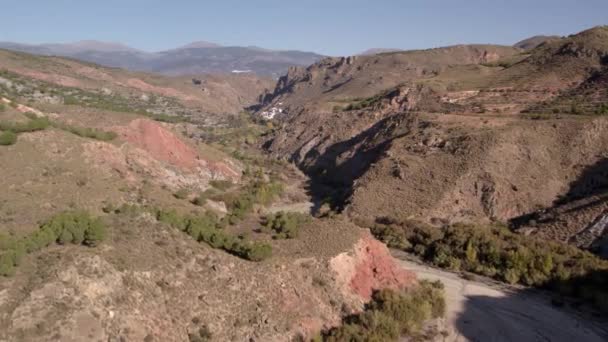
{"x":333,"y":173}
{"x":593,"y":181}
{"x":588,"y":190}
{"x":532,"y":315}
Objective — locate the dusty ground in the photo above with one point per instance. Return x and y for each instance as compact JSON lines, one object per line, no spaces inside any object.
{"x":478,"y":311}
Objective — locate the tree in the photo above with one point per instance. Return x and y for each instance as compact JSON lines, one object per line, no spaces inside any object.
{"x":8,"y":138}
{"x":95,"y":233}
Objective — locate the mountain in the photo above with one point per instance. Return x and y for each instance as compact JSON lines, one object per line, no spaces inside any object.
{"x":199,"y":45}
{"x":431,"y":132}
{"x":194,"y":58}
{"x":533,"y":42}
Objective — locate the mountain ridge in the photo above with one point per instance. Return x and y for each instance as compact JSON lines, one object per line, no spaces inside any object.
{"x":199,"y":57}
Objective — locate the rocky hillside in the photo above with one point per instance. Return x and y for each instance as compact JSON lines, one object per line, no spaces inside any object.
{"x":72,"y":82}
{"x":461,"y":134}
{"x":131,"y":211}
{"x":533,"y":42}
{"x":337,"y":82}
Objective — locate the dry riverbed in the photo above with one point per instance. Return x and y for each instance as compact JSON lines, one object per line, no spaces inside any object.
{"x":478,"y":311}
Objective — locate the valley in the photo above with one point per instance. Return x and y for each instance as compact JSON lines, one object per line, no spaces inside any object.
{"x":230,"y":207}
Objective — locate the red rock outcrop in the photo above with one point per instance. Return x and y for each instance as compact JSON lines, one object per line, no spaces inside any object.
{"x":369,"y":267}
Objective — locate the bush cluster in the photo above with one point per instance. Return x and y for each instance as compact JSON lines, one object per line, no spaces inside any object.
{"x":207,"y":228}
{"x":76,"y":227}
{"x":33,"y":125}
{"x":391,"y":315}
{"x":8,"y":138}
{"x":602,"y":109}
{"x":497,"y":252}
{"x":36,"y":123}
{"x":284,"y":225}
{"x":86,"y":132}
{"x":221,"y":185}
{"x":257,"y":192}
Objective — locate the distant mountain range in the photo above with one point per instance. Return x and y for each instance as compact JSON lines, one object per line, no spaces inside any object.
{"x":194,"y":58}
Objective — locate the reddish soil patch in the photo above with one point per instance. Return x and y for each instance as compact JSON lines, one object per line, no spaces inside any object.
{"x":377,"y":269}
{"x":160,"y":143}
{"x":368,"y":267}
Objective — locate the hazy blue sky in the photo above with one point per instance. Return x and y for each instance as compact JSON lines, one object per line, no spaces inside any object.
{"x":336,"y":27}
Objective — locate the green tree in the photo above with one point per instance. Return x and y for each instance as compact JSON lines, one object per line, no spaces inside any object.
{"x":8,"y":138}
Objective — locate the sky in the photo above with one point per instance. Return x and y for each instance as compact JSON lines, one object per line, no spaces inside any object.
{"x":338,"y":27}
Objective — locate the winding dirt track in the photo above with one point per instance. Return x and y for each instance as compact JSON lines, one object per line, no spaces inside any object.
{"x":481,"y":312}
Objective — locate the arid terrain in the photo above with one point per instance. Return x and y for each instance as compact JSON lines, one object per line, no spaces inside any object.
{"x":457,"y":134}
{"x":230,"y":207}
{"x":483,"y":311}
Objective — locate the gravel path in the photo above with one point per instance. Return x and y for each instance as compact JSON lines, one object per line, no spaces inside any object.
{"x":483,"y":312}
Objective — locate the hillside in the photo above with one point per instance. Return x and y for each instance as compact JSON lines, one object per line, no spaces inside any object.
{"x":430,"y":135}
{"x":135,"y":207}
{"x":337,"y":82}
{"x":191,"y":59}
{"x":534,"y":42}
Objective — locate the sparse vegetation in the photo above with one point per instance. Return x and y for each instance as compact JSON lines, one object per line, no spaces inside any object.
{"x":206,"y":228}
{"x":155,"y":107}
{"x":501,"y":254}
{"x":392,"y":314}
{"x":370,"y":101}
{"x":77,"y":227}
{"x":37,"y":123}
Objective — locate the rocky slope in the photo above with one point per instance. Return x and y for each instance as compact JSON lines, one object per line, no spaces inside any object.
{"x":166,"y":288}
{"x":338,"y":81}
{"x":127,"y":148}
{"x":377,"y":128}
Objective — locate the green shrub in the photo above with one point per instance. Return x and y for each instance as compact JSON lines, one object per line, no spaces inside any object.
{"x":8,"y":138}
{"x":221,"y":185}
{"x":257,"y":192}
{"x":285,"y":225}
{"x":207,"y":228}
{"x":181,"y":194}
{"x":76,"y":227}
{"x":86,"y":132}
{"x":257,"y":251}
{"x":33,"y":125}
{"x":2,"y":107}
{"x":499,"y":253}
{"x":392,"y":314}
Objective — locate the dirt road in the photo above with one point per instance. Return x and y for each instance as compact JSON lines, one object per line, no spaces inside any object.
{"x":482,"y":312}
